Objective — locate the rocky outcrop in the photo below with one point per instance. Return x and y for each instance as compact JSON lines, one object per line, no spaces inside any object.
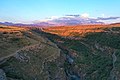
{"x":113,"y":72}
{"x":2,"y":75}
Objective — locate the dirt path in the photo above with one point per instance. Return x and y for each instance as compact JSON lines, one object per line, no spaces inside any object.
{"x":3,"y":59}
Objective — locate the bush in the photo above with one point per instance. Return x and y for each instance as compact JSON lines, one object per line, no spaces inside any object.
{"x":5,"y":32}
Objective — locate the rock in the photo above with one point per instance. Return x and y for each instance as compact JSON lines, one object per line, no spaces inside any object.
{"x":22,"y":57}
{"x":2,"y":75}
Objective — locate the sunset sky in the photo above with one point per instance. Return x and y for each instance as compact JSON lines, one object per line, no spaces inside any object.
{"x":31,"y":10}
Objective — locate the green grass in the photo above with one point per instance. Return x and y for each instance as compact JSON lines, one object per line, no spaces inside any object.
{"x":105,"y":39}
{"x":96,"y":65}
{"x":91,"y":62}
{"x":34,"y":68}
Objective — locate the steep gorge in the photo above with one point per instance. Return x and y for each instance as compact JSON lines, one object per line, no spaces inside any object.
{"x":95,"y":56}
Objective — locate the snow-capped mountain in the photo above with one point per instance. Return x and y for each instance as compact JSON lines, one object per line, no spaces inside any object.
{"x":67,"y":20}
{"x":74,"y":20}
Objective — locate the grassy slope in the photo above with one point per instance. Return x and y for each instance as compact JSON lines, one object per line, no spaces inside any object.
{"x":12,"y":39}
{"x":94,"y":51}
{"x":33,"y":52}
{"x":92,"y":54}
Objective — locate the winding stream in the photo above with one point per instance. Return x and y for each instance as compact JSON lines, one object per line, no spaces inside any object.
{"x":69,"y":72}
{"x":112,"y":73}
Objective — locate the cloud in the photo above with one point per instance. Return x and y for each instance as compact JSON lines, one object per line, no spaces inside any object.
{"x":54,"y":17}
{"x":85,"y":15}
{"x":107,"y":18}
{"x":73,"y":15}
{"x":48,"y":19}
{"x":79,"y":19}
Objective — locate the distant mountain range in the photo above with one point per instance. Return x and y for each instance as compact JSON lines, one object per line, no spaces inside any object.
{"x":41,"y":24}
{"x":63,"y":21}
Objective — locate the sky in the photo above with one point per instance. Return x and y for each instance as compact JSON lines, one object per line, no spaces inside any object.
{"x":26,"y":11}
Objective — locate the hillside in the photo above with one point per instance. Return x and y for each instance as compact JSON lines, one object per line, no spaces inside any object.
{"x":25,"y":55}
{"x":87,"y":52}
{"x":94,"y":52}
{"x":78,"y":30}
